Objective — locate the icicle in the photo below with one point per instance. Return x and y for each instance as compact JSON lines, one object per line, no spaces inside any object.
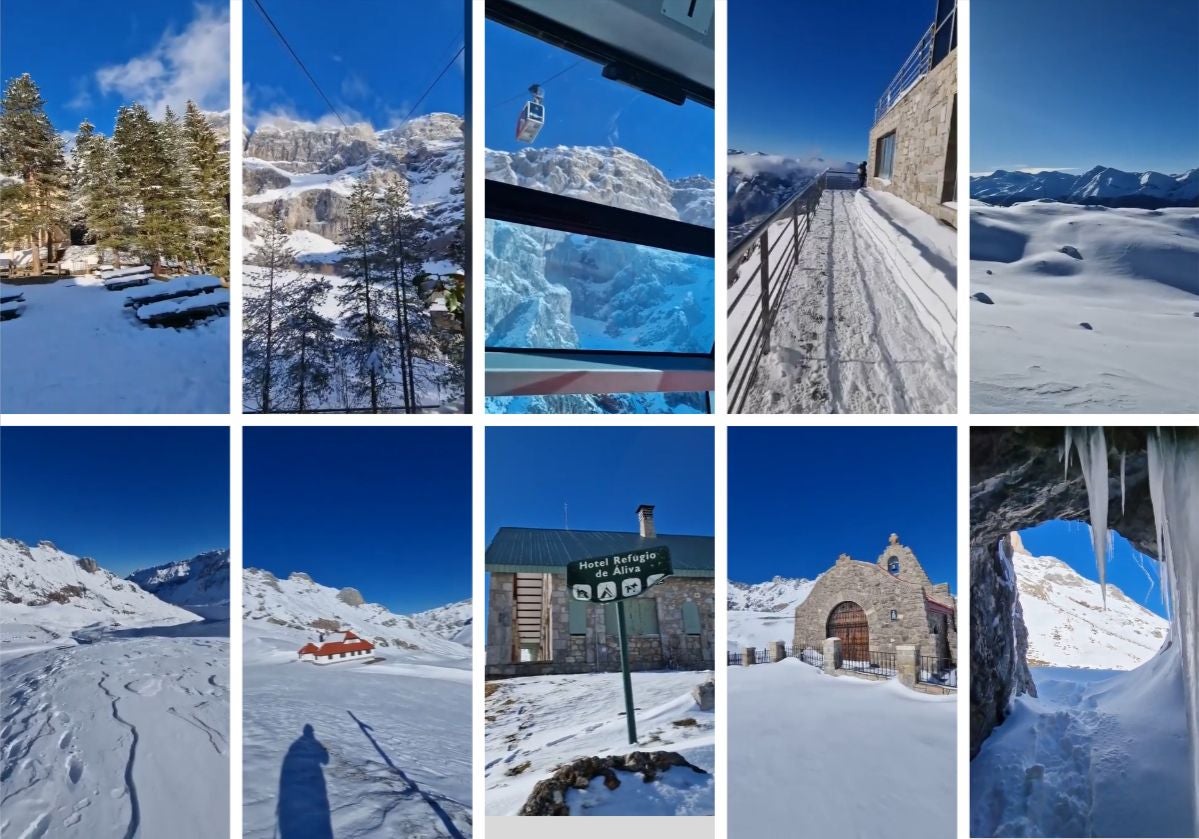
{"x":1066,"y":452}
{"x":1121,"y":484}
{"x":1092,"y":457}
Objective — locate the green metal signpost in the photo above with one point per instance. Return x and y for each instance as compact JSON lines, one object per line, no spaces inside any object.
{"x":614,"y":579}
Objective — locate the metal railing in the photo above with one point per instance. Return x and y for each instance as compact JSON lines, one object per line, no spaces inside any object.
{"x":937,"y":670}
{"x":759,"y":266}
{"x":811,"y":657}
{"x":734,"y":659}
{"x":875,"y":664}
{"x":917,"y":65}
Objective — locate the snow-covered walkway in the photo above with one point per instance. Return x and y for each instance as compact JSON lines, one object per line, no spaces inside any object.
{"x":868,"y":320}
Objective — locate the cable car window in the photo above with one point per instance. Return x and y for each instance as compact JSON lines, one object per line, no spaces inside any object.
{"x":602,"y":403}
{"x":552,"y":290}
{"x":600,"y":140}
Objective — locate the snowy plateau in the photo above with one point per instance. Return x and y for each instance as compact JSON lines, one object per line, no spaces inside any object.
{"x":354,"y":749}
{"x":761,"y":613}
{"x":536,"y":724}
{"x":116,"y":702}
{"x":1086,"y":298}
{"x":310,"y":170}
{"x":1069,"y":624}
{"x":552,"y":290}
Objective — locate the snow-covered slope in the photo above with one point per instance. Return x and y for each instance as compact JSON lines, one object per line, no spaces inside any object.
{"x":312,"y":169}
{"x":838,"y":756}
{"x":1101,"y":185}
{"x":48,"y":593}
{"x":762,"y":613}
{"x":538,"y":723}
{"x":759,"y":184}
{"x":297,"y":609}
{"x":199,"y":584}
{"x":1084,"y":309}
{"x":452,"y":621}
{"x":1068,"y":625}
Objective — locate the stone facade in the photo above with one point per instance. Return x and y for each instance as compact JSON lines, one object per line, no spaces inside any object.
{"x":896,"y":604}
{"x":599,"y":647}
{"x":925,"y":135}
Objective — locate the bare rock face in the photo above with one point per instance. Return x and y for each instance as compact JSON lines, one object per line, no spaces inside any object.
{"x":256,"y":179}
{"x":350,"y":597}
{"x":299,"y":575}
{"x":88,"y":564}
{"x":549,"y":796}
{"x":1018,"y":481}
{"x":704,"y":694}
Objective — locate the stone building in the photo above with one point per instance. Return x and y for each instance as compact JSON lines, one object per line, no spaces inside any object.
{"x":535,"y":628}
{"x":913,"y":144}
{"x":875,"y":606}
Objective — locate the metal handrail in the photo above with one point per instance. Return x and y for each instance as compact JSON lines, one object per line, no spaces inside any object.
{"x":917,"y":65}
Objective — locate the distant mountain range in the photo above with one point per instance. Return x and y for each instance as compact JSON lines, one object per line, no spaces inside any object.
{"x":760,"y":183}
{"x":1067,"y":623}
{"x":199,"y":584}
{"x":778,"y":595}
{"x":1101,"y":186}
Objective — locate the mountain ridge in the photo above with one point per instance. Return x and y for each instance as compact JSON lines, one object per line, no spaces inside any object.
{"x":1101,"y":185}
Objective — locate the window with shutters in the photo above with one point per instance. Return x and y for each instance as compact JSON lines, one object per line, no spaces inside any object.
{"x":640,"y":614}
{"x":690,"y":618}
{"x":578,"y":617}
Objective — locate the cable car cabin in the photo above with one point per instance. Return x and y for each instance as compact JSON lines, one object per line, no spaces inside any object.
{"x":532,"y":118}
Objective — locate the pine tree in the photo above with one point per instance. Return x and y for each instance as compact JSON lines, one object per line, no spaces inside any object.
{"x":209,"y":215}
{"x":32,"y":150}
{"x":307,"y":342}
{"x":362,"y":313}
{"x":262,"y":307}
{"x":101,"y":198}
{"x":78,"y":174}
{"x":149,"y":178}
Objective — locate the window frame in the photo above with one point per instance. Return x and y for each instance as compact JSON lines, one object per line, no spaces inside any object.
{"x":884,"y":153}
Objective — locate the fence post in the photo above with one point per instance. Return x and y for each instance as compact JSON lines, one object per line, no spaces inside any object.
{"x":778,"y":651}
{"x":907,"y":664}
{"x":748,"y":656}
{"x":832,"y":655}
{"x":764,"y":247}
{"x":795,"y":230}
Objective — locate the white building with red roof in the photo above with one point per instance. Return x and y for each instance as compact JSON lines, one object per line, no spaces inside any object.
{"x":340,"y":646}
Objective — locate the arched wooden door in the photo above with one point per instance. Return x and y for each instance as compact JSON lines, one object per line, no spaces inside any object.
{"x":848,"y":622}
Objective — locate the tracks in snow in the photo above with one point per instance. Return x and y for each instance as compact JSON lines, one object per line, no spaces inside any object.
{"x":850,"y":335}
{"x":130,"y":786}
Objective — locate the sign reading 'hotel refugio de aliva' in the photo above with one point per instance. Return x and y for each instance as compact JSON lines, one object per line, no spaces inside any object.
{"x":614,"y":579}
{"x":606,"y":579}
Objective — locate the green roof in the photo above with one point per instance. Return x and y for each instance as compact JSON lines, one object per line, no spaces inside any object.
{"x":541,"y":550}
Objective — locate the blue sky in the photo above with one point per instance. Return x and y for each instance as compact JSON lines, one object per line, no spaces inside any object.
{"x":584,"y":109}
{"x":128,"y":497}
{"x":1072,"y":84}
{"x":804,"y":77}
{"x":384,"y":510}
{"x":372,"y":59}
{"x":603,"y":474}
{"x":800,"y":497}
{"x":1070,"y":541}
{"x":157,"y":53}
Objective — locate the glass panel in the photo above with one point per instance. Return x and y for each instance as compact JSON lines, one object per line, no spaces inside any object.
{"x":551,"y":290}
{"x":600,"y":140}
{"x":602,"y":403}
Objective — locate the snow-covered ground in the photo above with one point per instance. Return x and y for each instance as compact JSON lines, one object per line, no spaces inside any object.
{"x":1132,"y":276}
{"x":1097,"y":753}
{"x":354,"y":749}
{"x":868,"y":321}
{"x":838,"y":756}
{"x":538,"y":723}
{"x":77,"y":349}
{"x":126,"y":735}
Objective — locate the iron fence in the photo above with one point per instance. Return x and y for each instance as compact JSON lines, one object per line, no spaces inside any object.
{"x":734,"y":659}
{"x":936,"y":670}
{"x":875,"y":664}
{"x":811,"y":657}
{"x":760,"y":266}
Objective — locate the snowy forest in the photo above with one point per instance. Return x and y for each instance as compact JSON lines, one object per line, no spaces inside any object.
{"x":156,"y":192}
{"x":366,"y":341}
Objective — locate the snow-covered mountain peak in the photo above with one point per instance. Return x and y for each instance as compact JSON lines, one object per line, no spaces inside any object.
{"x":1099,"y":185}
{"x":48,"y":587}
{"x":199,"y":584}
{"x":299,"y":608}
{"x":780,"y":594}
{"x":1068,"y":625}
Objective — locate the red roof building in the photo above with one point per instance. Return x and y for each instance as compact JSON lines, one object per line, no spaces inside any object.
{"x":344,"y":646}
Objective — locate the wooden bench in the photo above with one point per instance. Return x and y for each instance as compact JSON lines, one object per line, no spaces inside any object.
{"x":184,"y":311}
{"x":172,"y":289}
{"x":122,"y":278}
{"x":12,"y":309}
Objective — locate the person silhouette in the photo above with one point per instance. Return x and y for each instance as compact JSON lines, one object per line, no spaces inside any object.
{"x":862,"y":175}
{"x":303,"y":809}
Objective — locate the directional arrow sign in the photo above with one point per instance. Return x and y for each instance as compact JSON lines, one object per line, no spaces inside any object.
{"x":606,"y":579}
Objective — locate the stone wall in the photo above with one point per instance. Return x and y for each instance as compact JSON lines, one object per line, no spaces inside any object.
{"x":599,"y":648}
{"x":870,"y":586}
{"x":921,"y":121}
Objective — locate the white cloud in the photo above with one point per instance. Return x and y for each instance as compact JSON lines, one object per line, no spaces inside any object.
{"x":353,"y":86}
{"x":192,"y":64}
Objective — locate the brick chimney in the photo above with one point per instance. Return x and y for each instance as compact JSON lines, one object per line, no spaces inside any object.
{"x":645,"y":521}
